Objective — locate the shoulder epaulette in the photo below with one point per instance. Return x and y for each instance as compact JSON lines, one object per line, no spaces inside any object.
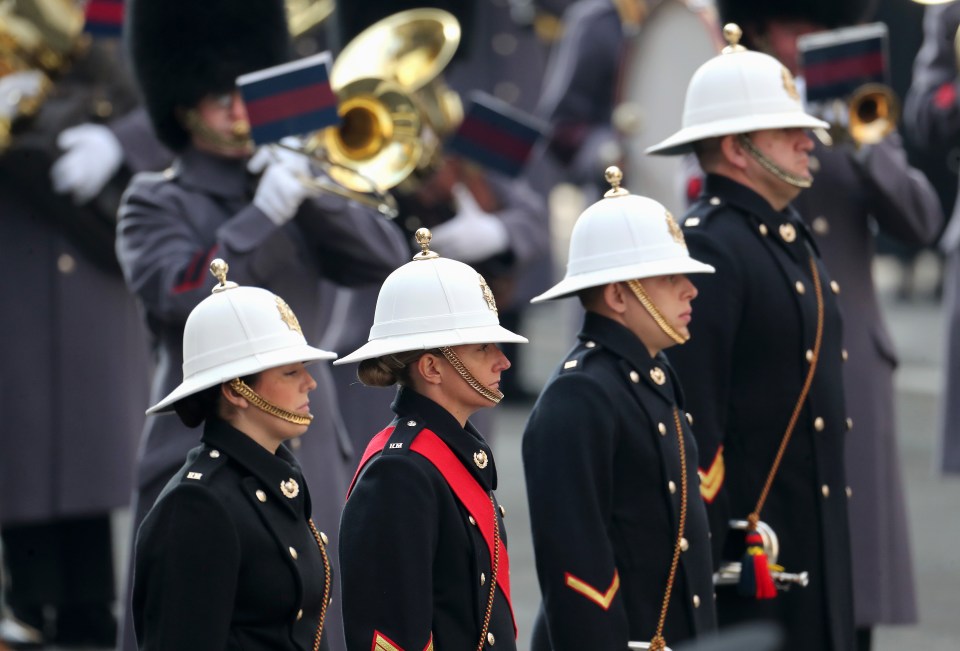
{"x":700,"y":212}
{"x":579,"y":355}
{"x":403,"y":434}
{"x":204,"y":466}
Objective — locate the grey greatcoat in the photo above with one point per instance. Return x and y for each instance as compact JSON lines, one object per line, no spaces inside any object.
{"x":932,"y":116}
{"x":172,"y":224}
{"x":73,"y":373}
{"x":849,"y":191}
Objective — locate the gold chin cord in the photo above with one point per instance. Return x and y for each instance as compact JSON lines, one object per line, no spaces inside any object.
{"x":251,"y":396}
{"x":795,"y":180}
{"x":490,"y":394}
{"x":660,"y":320}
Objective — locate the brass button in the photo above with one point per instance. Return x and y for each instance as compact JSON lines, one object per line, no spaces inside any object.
{"x":634,"y":377}
{"x":261,"y":496}
{"x":503,"y":511}
{"x":788,"y":232}
{"x":849,"y":424}
{"x":692,"y":222}
{"x":696,"y":601}
{"x":293,"y":553}
{"x":472,"y":521}
{"x":849,"y":492}
{"x":763,"y":229}
{"x":818,"y":424}
{"x":844,"y":355}
{"x":591,"y":344}
{"x":324,"y":538}
{"x":300,"y":614}
{"x":809,"y":355}
{"x":714,"y":201}
{"x":103,"y":108}
{"x":834,"y":286}
{"x":411,"y":423}
{"x":66,"y":264}
{"x":825,"y":490}
{"x":684,"y":544}
{"x":658,"y":376}
{"x":672,"y":486}
{"x":214,"y":454}
{"x":800,"y":288}
{"x":662,"y":429}
{"x":821,"y":226}
{"x":690,"y":419}
{"x":490,"y":639}
{"x":483,"y":578}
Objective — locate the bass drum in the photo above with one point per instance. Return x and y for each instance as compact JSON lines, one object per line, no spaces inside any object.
{"x":673,"y":41}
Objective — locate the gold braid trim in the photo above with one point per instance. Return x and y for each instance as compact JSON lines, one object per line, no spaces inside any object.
{"x":493,"y":396}
{"x":326,"y":585}
{"x":648,"y":305}
{"x":493,"y":577}
{"x":793,"y":179}
{"x":254,"y":399}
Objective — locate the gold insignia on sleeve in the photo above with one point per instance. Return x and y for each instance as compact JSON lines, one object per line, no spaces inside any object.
{"x":675,"y":231}
{"x":788,"y":84}
{"x":383,"y":643}
{"x":290,"y":488}
{"x":711,"y":479}
{"x":487,"y":294}
{"x":602,"y":599}
{"x":287,"y":315}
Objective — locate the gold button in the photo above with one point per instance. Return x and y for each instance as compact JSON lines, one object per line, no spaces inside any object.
{"x":662,"y":429}
{"x":684,"y":544}
{"x":825,"y":490}
{"x":763,"y":230}
{"x":821,"y":226}
{"x":103,"y":108}
{"x":658,"y":376}
{"x":66,"y":264}
{"x":800,"y":288}
{"x":818,"y":424}
{"x":809,"y":355}
{"x":324,"y":538}
{"x":214,"y":454}
{"x":591,"y":344}
{"x":483,"y":578}
{"x":834,"y":286}
{"x":672,"y":486}
{"x":714,"y":201}
{"x":261,"y":496}
{"x":788,"y":232}
{"x":844,"y":355}
{"x":849,"y":492}
{"x":696,"y":601}
{"x":849,"y":424}
{"x":472,"y":521}
{"x":300,"y":614}
{"x":634,"y":377}
{"x":690,"y":419}
{"x":411,"y":423}
{"x":490,"y":639}
{"x":503,"y":511}
{"x":293,"y":553}
{"x":692,"y":221}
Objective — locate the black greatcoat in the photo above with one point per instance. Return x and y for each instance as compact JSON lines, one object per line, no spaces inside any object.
{"x":754,"y":322}
{"x":415,"y":567}
{"x":225,"y":560}
{"x":601,"y":457}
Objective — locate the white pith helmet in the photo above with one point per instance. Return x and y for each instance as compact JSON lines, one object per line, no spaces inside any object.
{"x":738,"y":91}
{"x":623,"y":237}
{"x":237,"y":331}
{"x":432,"y":302}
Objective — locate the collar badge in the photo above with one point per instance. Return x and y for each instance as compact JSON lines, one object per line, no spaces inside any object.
{"x":290,"y":488}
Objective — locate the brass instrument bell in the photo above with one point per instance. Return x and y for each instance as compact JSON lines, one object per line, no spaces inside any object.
{"x":873,"y":112}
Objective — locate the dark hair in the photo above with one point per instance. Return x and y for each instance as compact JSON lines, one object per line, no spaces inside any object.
{"x":203,"y":405}
{"x":390,"y":369}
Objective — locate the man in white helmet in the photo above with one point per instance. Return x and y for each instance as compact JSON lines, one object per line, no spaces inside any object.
{"x":762,"y":371}
{"x":619,"y":530}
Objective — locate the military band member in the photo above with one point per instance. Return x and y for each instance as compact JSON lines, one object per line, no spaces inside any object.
{"x":253,"y":211}
{"x":229,"y":556}
{"x":619,"y":529}
{"x":762,"y":371}
{"x":423,"y":546}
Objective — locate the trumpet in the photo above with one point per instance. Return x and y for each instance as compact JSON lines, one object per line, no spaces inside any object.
{"x":866,"y":117}
{"x":729,"y":572}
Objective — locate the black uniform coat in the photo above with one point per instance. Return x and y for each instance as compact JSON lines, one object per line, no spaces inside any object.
{"x":743,"y":370}
{"x":414,"y":563}
{"x":224,"y":559}
{"x":602,"y":461}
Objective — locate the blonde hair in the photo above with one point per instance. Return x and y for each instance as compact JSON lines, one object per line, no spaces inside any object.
{"x":388,"y":370}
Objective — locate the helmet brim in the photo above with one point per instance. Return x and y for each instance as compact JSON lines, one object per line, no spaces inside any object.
{"x":573,"y":284}
{"x":489,"y":334}
{"x":240,"y":368}
{"x":682,"y":141}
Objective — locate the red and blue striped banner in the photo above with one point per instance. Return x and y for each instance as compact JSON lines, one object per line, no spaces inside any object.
{"x":291,"y":99}
{"x":496,"y":135}
{"x":836,"y":63}
{"x":103,"y":18}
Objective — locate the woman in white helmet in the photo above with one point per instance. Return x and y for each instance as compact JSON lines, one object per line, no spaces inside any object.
{"x":228,"y":557}
{"x":423,"y":553}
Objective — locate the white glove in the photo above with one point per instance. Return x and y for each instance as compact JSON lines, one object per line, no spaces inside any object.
{"x":473,"y":234}
{"x":281,"y":189}
{"x":92,"y":155}
{"x":16,"y":87}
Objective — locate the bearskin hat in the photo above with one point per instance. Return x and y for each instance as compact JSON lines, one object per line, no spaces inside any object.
{"x":184,"y":50}
{"x":829,"y":13}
